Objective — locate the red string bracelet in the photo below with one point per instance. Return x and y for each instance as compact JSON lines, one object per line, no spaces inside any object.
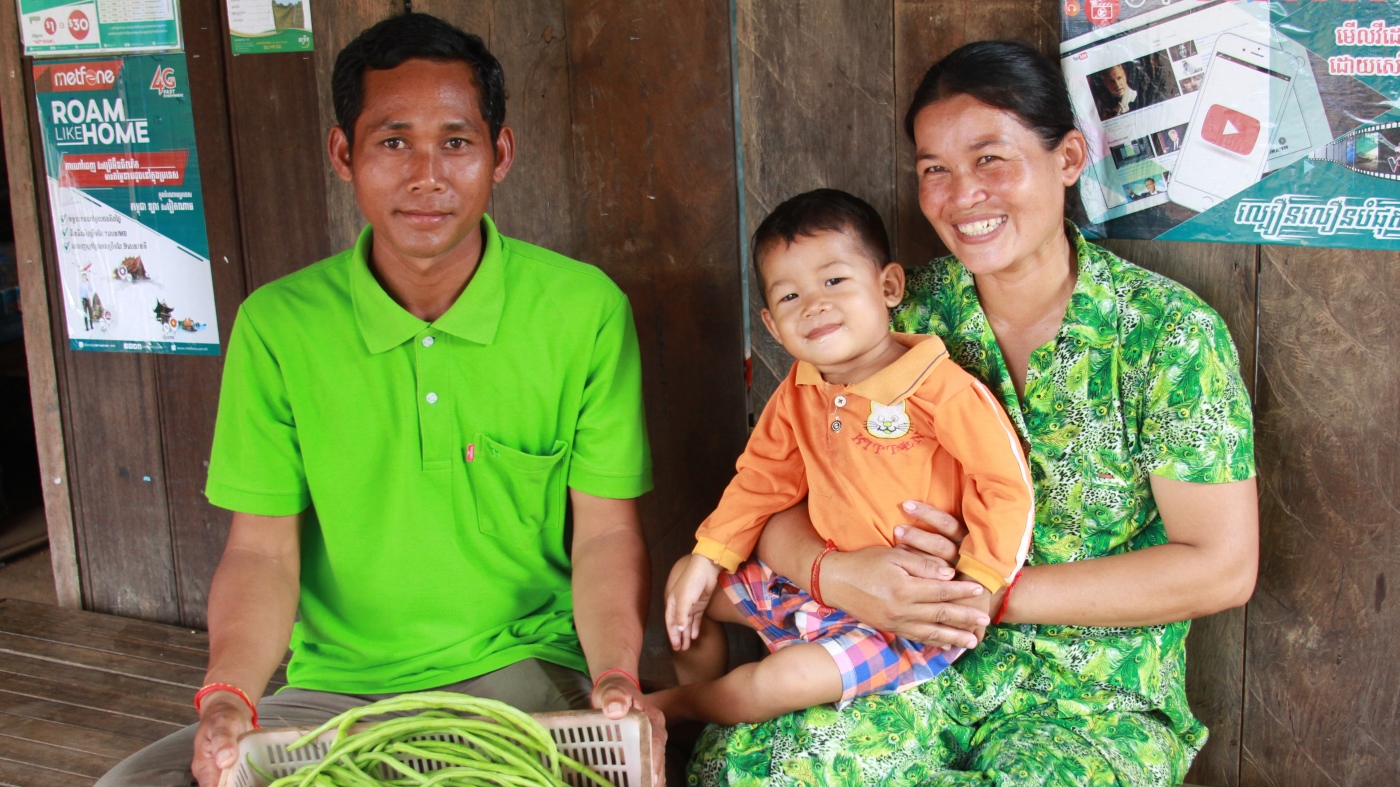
{"x":1001,"y":613}
{"x":817,"y":573}
{"x":624,"y":673}
{"x":232,"y":689}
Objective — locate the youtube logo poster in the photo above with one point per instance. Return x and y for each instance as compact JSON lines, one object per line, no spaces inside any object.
{"x":1238,"y":122}
{"x":1231,"y":130}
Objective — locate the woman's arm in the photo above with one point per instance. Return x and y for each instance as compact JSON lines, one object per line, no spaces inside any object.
{"x":1209,"y":565}
{"x":905,"y":591}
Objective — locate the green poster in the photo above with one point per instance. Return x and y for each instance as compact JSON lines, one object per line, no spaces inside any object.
{"x":93,"y":27}
{"x":127,"y":204}
{"x":1242,"y":121}
{"x":265,"y":26}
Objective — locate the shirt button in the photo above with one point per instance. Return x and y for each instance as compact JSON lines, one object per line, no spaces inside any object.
{"x":431,"y":397}
{"x":835,"y":426}
{"x":428,"y":341}
{"x":840,"y":401}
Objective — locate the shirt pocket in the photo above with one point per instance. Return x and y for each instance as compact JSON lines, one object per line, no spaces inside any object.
{"x":514,"y":491}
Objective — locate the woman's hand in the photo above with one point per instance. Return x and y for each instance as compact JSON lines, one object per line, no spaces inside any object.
{"x":908,"y":590}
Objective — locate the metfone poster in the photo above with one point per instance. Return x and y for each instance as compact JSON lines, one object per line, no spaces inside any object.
{"x":91,"y":27}
{"x":126,"y":203}
{"x":1241,"y":121}
{"x":266,"y":26}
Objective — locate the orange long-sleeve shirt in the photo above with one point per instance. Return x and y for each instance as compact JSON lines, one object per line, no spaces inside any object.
{"x":922,"y":428}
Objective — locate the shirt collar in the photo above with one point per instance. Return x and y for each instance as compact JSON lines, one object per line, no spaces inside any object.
{"x":475,"y":315}
{"x":898,"y":380}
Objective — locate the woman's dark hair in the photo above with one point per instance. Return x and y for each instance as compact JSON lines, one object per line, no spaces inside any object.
{"x":822,"y":210}
{"x":1007,"y":75}
{"x":404,"y":37}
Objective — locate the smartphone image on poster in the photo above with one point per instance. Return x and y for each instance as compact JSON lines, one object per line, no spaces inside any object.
{"x":1227,"y":141}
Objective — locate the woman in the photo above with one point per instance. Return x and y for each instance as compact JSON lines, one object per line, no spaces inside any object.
{"x":1126,"y":391}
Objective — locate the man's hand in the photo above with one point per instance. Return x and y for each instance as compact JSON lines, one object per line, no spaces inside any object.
{"x":223,"y":717}
{"x":615,"y":695}
{"x":687,"y":598}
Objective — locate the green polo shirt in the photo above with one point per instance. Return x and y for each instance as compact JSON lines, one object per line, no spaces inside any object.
{"x":433,"y":460}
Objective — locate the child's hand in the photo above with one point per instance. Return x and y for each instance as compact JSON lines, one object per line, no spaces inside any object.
{"x":687,"y":599}
{"x":981,"y":602}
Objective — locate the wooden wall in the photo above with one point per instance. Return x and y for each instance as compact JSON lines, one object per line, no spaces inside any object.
{"x":630,"y":138}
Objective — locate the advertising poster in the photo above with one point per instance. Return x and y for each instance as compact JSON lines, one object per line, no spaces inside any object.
{"x":64,"y":27}
{"x":1241,"y":121}
{"x":126,"y":203}
{"x":264,"y":26}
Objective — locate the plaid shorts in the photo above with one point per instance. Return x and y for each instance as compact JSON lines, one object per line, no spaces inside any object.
{"x":871,"y":662}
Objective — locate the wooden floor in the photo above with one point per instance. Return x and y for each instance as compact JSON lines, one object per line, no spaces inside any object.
{"x":79,"y":691}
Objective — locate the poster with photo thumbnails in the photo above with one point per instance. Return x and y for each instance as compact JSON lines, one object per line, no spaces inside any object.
{"x":1242,"y":121}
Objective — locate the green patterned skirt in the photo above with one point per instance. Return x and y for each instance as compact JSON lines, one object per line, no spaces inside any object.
{"x":999,"y":716}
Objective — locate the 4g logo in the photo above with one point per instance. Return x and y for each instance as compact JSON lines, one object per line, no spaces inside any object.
{"x":164,"y":80}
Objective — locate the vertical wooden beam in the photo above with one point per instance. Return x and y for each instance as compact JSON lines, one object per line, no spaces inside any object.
{"x":536,"y":202}
{"x":1224,"y":276}
{"x":34,"y":302}
{"x":654,"y":207}
{"x":189,"y":386}
{"x":336,"y":24}
{"x":1323,"y":694}
{"x":816,"y":104}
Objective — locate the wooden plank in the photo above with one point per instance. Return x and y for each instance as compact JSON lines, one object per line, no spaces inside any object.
{"x":20,"y":616}
{"x":34,"y":302}
{"x":152,"y":691}
{"x":279,"y":159}
{"x":924,"y":31}
{"x":336,"y":25}
{"x":189,"y":386}
{"x":1224,"y":276}
{"x":14,"y":774}
{"x":85,"y":717}
{"x":57,"y":758}
{"x":1322,"y":693}
{"x":528,"y":37}
{"x":816,"y":107}
{"x":103,"y":661}
{"x":89,"y":741}
{"x":95,"y":697}
{"x":161,"y":654}
{"x":654,"y":207}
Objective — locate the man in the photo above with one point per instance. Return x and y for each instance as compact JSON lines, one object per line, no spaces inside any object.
{"x":401,"y":429}
{"x":1121,"y":98}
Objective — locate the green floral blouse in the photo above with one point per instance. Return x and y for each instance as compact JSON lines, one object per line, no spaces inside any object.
{"x":1141,"y":378}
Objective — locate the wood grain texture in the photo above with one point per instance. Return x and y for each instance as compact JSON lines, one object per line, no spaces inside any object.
{"x":336,"y":25}
{"x":1323,"y":694}
{"x":188,"y":387}
{"x":816,"y":109}
{"x":536,"y":202}
{"x":654,"y":179}
{"x":924,"y":31}
{"x":279,"y":148}
{"x":17,"y":774}
{"x":34,"y":302}
{"x":1224,"y":275}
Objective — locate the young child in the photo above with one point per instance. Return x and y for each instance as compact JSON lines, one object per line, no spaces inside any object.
{"x":866,"y":420}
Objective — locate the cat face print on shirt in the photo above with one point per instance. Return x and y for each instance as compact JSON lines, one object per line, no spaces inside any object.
{"x":887,"y":421}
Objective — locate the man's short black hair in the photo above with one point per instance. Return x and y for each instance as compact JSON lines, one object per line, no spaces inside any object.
{"x":411,"y":36}
{"x":821,"y":210}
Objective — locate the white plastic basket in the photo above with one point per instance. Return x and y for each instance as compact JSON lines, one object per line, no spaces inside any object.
{"x":619,"y":750}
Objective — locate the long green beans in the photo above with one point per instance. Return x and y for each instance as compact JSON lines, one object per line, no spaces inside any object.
{"x":478,"y":743}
